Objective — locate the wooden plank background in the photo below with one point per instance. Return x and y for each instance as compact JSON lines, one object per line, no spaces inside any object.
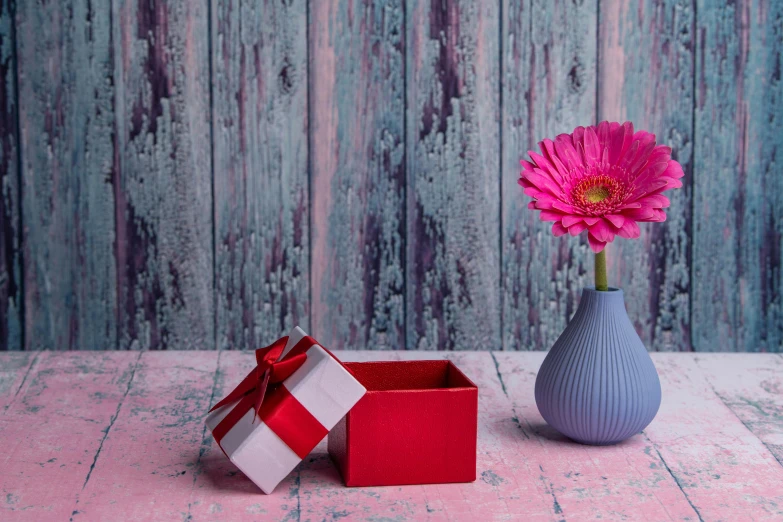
{"x":201,"y":175}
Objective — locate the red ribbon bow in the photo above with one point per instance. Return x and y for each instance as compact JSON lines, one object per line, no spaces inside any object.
{"x":271,"y":369}
{"x":263,"y":391}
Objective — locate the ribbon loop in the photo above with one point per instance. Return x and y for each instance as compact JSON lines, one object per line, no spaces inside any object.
{"x":272,"y":369}
{"x":282,"y":370}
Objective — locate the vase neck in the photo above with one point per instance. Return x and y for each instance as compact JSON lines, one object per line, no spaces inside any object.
{"x":601,"y":302}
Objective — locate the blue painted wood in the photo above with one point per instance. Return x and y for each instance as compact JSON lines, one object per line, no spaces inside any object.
{"x":549,"y":87}
{"x":453,"y":198}
{"x":357,"y":86}
{"x":416,"y":115}
{"x":10,"y":232}
{"x":738,"y":186}
{"x":262,"y":209}
{"x":645,"y":75}
{"x":162,"y":176}
{"x":66,"y":68}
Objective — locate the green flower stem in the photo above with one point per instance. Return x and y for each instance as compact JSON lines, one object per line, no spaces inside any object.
{"x":600,"y":272}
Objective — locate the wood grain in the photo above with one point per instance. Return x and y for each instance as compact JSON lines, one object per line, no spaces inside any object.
{"x":14,"y":374}
{"x":719,"y":464}
{"x":453,"y":200}
{"x":549,"y":87}
{"x":162,"y":175}
{"x":357,"y":86}
{"x":738,"y":189}
{"x":645,"y":76}
{"x":611,"y":474}
{"x":752,"y":388}
{"x":506,"y":488}
{"x":153,"y":441}
{"x":10,"y":224}
{"x":114,"y":432}
{"x":54,"y":431}
{"x":157,"y":187}
{"x":260,"y":126}
{"x":66,"y":114}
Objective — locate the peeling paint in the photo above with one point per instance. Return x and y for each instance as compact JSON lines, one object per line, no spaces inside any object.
{"x":646,"y":77}
{"x":738,"y":189}
{"x":67,"y":124}
{"x":453,"y":198}
{"x":707,"y":455}
{"x":163,"y":167}
{"x":542,"y":276}
{"x":10,"y":219}
{"x":357,"y":85}
{"x":261,"y":196}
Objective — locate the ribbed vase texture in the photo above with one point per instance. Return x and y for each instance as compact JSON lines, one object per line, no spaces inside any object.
{"x":598,"y":384}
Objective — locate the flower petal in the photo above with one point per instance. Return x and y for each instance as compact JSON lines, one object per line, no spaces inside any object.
{"x":634,"y":163}
{"x":595,"y":245}
{"x":592,"y":147}
{"x":577,"y":137}
{"x":526,"y":165}
{"x":602,"y":231}
{"x":541,"y":181}
{"x":544,"y":202}
{"x":558,"y":229}
{"x":547,"y":147}
{"x":615,"y":219}
{"x":604,"y":133}
{"x":638,"y":214}
{"x":547,"y":166}
{"x":548,"y":215}
{"x":659,"y":216}
{"x":674,"y":170}
{"x":563,"y":207}
{"x":577,"y":228}
{"x":655,"y":201}
{"x":566,"y":151}
{"x":673,"y":184}
{"x":629,"y":230}
{"x":617,"y":142}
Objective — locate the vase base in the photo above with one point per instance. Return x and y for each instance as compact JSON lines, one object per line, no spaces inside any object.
{"x":593,"y":443}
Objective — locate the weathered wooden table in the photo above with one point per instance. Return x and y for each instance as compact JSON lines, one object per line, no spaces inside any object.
{"x":120,"y":436}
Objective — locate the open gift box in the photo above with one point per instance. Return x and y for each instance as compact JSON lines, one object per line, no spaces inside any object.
{"x":411,"y":422}
{"x":416,"y":424}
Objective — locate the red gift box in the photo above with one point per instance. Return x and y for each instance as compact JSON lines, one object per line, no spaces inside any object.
{"x":416,"y":424}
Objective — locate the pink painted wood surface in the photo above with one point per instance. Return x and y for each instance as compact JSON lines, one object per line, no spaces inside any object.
{"x":13,"y":375}
{"x":120,"y":436}
{"x":721,"y":465}
{"x":590,"y":481}
{"x":752,"y":388}
{"x":53,"y":431}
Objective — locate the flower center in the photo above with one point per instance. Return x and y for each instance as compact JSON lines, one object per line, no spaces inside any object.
{"x":597,"y":194}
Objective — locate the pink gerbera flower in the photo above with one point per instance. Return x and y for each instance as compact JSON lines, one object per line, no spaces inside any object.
{"x":600,"y":179}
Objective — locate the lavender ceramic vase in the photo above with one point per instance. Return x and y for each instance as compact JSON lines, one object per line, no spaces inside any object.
{"x":598,"y":384}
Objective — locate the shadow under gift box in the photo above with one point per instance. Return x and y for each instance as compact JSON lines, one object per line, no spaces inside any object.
{"x":417,"y":424}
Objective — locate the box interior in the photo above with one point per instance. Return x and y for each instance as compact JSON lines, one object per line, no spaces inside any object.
{"x":409,"y":375}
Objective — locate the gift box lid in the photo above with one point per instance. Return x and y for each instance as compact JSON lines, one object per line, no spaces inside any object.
{"x":283,"y":408}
